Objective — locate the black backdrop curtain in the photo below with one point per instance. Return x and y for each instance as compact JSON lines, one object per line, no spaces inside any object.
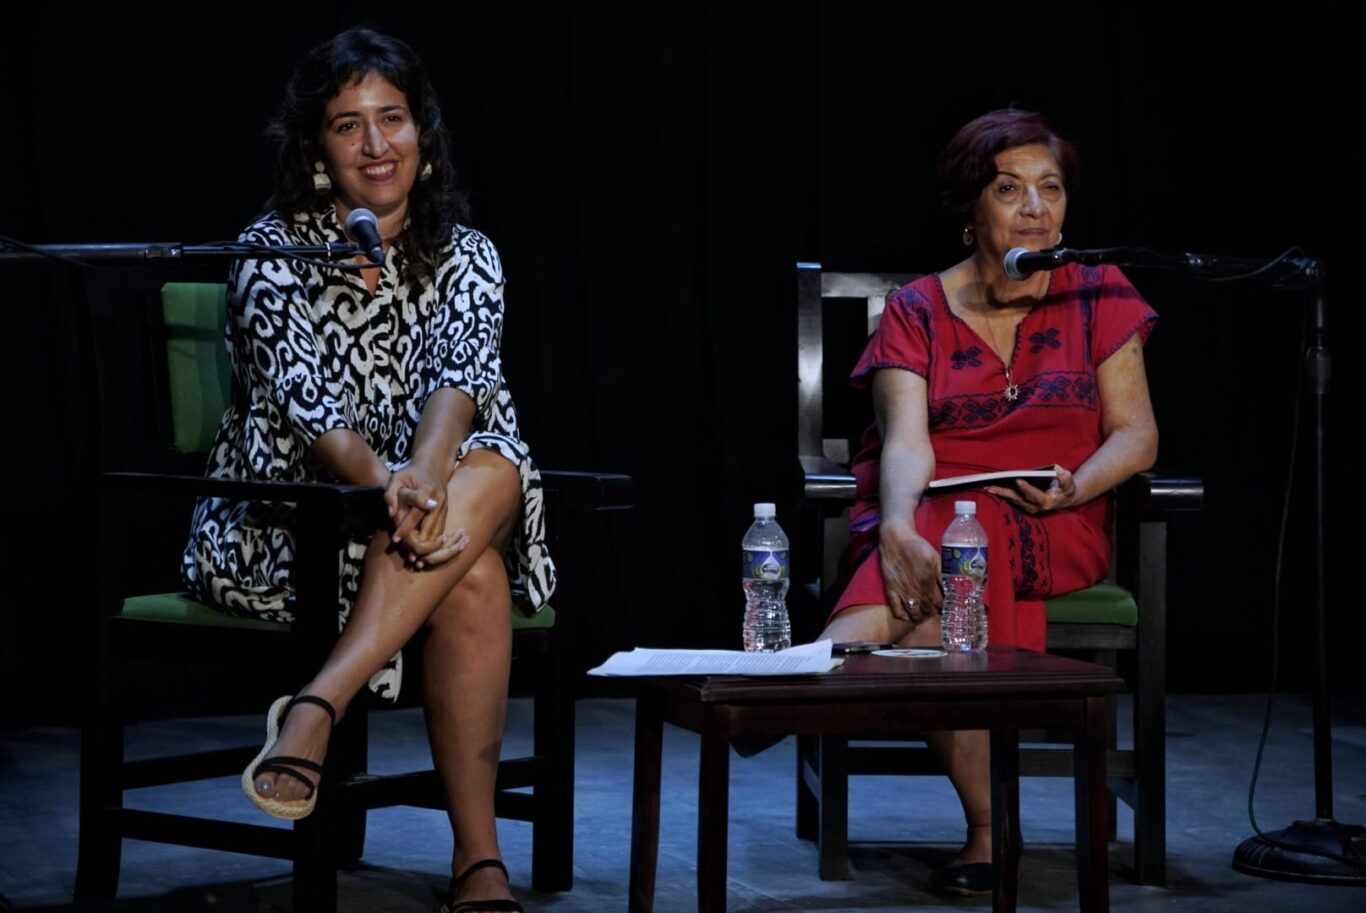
{"x":650,"y":172}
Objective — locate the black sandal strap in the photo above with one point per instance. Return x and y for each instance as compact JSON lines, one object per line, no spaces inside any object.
{"x":283,"y":764}
{"x":501,"y":905}
{"x":310,"y":699}
{"x":458,"y":880}
{"x":486,"y":906}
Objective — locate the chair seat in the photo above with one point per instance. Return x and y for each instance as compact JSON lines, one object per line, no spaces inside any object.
{"x":1104,"y":603}
{"x":181,"y":609}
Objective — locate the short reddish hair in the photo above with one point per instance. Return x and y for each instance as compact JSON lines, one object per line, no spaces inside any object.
{"x":968,"y":162}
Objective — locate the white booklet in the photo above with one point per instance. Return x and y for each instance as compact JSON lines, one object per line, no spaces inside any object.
{"x":801,"y":660}
{"x":953,"y":483}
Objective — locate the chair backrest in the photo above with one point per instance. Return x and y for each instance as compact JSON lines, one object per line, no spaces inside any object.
{"x":815,"y":287}
{"x":196,"y":361}
{"x":830,"y":415}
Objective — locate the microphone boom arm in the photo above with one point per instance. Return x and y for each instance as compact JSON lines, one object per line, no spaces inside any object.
{"x":12,"y":253}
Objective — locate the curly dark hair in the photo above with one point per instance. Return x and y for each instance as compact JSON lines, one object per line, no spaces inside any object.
{"x":968,"y":162}
{"x":434,"y":204}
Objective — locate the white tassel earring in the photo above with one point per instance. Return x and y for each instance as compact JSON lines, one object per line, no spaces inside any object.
{"x":322,"y":184}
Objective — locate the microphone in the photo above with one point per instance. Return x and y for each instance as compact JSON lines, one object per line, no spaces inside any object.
{"x":1021,"y":261}
{"x":363,"y":228}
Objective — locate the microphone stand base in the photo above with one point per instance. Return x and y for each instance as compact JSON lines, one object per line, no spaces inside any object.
{"x":1291,"y":854}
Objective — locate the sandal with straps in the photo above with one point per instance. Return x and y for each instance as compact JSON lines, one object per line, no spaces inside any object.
{"x":284,"y":764}
{"x":501,"y":905}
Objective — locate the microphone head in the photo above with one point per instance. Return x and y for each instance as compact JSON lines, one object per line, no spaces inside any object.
{"x":363,"y":229}
{"x":355,"y":217}
{"x":1011,"y":263}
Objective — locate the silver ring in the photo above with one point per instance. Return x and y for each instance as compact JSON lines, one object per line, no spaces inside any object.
{"x":910,"y":604}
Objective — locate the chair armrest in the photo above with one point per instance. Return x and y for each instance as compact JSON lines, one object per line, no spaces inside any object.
{"x":825,"y":480}
{"x":1153,"y":491}
{"x":591,"y":490}
{"x":356,"y":505}
{"x":323,"y":511}
{"x":1162,"y":491}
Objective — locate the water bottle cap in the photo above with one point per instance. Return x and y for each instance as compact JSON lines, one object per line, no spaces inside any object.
{"x":965,"y":507}
{"x":765,"y":511}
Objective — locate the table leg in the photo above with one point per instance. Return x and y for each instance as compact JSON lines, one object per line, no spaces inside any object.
{"x":1093,"y":851}
{"x":834,"y":812}
{"x":713,"y":813}
{"x":1005,"y":818}
{"x":645,"y":802}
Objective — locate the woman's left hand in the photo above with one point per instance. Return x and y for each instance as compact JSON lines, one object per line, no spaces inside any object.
{"x":1061,"y":492}
{"x":414,"y":491}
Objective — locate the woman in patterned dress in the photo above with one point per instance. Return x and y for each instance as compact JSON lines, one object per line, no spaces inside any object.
{"x":388,"y":377}
{"x":972,"y":372}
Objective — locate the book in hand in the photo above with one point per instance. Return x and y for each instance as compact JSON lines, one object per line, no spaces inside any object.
{"x":1039,"y":477}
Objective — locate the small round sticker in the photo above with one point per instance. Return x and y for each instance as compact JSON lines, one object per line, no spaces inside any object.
{"x":911,"y":653}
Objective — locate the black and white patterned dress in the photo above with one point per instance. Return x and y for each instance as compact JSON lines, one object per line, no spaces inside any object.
{"x":313,"y":350}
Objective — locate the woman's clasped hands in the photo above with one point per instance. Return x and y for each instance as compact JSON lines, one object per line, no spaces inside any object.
{"x":416,"y":498}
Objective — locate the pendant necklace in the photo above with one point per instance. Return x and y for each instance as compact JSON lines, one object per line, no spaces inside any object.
{"x":1012,"y":390}
{"x":1011,"y":393}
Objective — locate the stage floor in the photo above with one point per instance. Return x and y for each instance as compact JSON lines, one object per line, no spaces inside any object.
{"x":1210,"y":753}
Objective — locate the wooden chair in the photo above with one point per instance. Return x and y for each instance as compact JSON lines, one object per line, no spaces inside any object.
{"x":1123,"y":617}
{"x":165,"y":655}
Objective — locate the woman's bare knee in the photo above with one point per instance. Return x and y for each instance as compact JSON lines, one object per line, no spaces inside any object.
{"x":489,"y":470}
{"x":486,"y":580}
{"x":866,"y":622}
{"x":488,"y":485}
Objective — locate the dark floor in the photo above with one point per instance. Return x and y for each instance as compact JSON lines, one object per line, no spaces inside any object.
{"x":905,"y":826}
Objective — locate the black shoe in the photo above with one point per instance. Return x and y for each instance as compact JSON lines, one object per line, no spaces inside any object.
{"x":747,"y":746}
{"x":966,"y":879}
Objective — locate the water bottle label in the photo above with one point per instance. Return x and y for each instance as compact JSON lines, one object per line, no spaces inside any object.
{"x":964,"y":559}
{"x":766,"y":564}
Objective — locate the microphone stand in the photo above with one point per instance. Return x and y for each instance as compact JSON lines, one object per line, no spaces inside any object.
{"x":1320,"y":850}
{"x":162,"y":252}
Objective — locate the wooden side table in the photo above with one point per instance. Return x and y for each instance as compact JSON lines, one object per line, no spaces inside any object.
{"x":1003,"y":690}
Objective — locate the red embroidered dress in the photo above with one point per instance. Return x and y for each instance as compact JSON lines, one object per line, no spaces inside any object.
{"x":1087,"y":314}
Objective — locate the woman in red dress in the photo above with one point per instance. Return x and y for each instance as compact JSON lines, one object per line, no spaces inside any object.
{"x":972,"y":372}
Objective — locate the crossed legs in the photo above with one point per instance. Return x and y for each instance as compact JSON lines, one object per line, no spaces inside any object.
{"x":463,"y":603}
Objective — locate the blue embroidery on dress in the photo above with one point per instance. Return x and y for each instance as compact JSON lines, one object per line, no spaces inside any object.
{"x":969,"y":359}
{"x":1048,"y":337}
{"x":1053,"y":389}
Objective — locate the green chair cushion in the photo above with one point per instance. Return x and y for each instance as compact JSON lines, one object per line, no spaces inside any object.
{"x":181,"y":609}
{"x":1103,"y":603}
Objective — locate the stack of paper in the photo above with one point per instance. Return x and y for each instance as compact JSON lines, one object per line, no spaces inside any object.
{"x":805,"y":659}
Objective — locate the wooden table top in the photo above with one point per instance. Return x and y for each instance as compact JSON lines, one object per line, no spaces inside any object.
{"x":998,"y":671}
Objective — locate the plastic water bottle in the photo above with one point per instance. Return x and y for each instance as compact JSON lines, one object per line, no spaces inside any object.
{"x":963,"y":557}
{"x":767,"y":627}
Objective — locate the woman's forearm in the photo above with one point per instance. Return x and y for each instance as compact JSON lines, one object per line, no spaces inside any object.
{"x":900,"y":405}
{"x":905,"y":472}
{"x":1127,"y":423}
{"x":445,"y":423}
{"x":1125,"y":452}
{"x":349,"y":458}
